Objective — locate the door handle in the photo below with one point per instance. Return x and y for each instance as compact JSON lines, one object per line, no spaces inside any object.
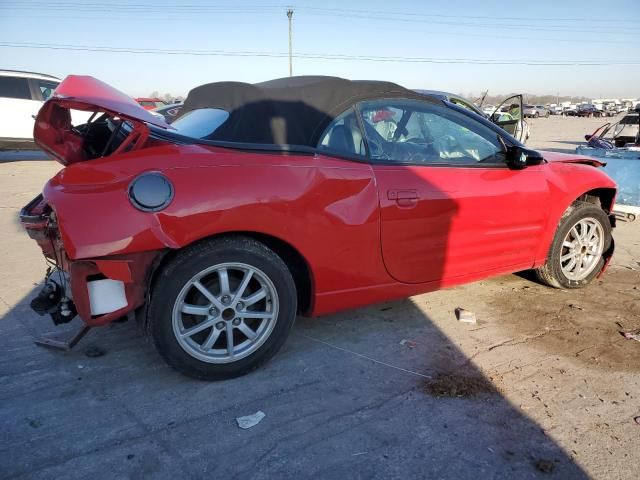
{"x":402,"y":194}
{"x":404,"y":198}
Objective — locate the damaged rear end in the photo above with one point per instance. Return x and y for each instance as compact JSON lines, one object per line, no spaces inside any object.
{"x":117,"y":125}
{"x":103,"y":287}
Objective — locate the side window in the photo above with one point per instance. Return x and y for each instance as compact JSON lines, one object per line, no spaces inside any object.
{"x":15,"y":87}
{"x":46,"y":88}
{"x":407,"y":131}
{"x":343,"y":136}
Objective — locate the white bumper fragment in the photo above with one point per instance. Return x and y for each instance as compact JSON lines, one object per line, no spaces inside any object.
{"x":106,"y":296}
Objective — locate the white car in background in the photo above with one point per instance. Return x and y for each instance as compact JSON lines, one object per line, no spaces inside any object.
{"x":21,"y":96}
{"x":488,"y":110}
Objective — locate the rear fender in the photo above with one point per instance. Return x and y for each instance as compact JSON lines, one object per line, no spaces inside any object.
{"x":326,"y":209}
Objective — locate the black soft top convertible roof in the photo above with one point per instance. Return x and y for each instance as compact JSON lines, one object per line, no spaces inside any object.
{"x":286,"y":111}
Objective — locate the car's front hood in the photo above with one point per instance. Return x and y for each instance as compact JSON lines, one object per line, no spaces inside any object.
{"x":83,"y":92}
{"x":554,"y":157}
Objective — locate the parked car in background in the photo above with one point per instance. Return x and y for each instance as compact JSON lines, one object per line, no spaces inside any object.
{"x":168,"y":112}
{"x":610,"y":110}
{"x":555,"y":110}
{"x":21,"y":96}
{"x":512,"y":123}
{"x":588,"y":110}
{"x":488,"y":110}
{"x":627,"y":130}
{"x":521,"y":127}
{"x":570,"y":111}
{"x":535,"y":111}
{"x":304,"y":195}
{"x":150,"y":103}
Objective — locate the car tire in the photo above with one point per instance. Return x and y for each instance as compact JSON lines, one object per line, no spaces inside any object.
{"x":200,"y":317}
{"x":577,"y":222}
{"x":546,"y":115}
{"x":536,"y":115}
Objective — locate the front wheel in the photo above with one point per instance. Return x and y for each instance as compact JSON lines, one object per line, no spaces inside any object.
{"x":221,"y":308}
{"x":577,"y":252}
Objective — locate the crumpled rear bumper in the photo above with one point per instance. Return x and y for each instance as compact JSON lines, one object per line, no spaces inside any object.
{"x":100,"y":290}
{"x":106,"y":289}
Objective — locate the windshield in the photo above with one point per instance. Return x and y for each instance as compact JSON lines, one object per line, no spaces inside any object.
{"x":200,"y":123}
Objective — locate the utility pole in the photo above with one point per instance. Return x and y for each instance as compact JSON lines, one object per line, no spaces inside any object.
{"x":290,"y":17}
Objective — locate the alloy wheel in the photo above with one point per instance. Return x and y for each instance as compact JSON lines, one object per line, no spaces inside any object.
{"x":225,"y":312}
{"x":582,"y":248}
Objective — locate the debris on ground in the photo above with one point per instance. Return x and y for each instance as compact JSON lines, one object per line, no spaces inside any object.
{"x":637,"y":420}
{"x":631,"y":334}
{"x":35,"y":423}
{"x":466,"y":316}
{"x":545,"y":466}
{"x":452,"y":385}
{"x":250,"y":420}
{"x":408,"y":343}
{"x":94,"y":352}
{"x":575,"y":307}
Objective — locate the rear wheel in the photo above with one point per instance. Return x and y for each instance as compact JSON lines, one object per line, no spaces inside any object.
{"x":576,"y":254}
{"x":222,"y":308}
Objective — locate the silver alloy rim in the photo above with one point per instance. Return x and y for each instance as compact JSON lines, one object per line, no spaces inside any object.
{"x":582,"y":248}
{"x":225,"y":312}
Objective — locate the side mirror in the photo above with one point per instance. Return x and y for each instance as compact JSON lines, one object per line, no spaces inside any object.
{"x":520,"y":157}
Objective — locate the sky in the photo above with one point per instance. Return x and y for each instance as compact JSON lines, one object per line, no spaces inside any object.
{"x":567,"y":47}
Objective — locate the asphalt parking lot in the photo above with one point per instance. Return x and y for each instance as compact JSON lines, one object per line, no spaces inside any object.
{"x":543,"y":386}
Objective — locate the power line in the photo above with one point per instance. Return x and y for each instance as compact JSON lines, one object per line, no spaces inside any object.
{"x":549,"y":28}
{"x":242,"y":7}
{"x":310,"y":55}
{"x":388,"y":16}
{"x":431,"y":33}
{"x":439,"y":15}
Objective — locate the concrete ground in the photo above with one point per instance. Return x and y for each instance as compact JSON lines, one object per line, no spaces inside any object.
{"x":542,"y":386}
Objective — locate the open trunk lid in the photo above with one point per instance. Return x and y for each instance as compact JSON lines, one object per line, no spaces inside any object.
{"x":54,"y":133}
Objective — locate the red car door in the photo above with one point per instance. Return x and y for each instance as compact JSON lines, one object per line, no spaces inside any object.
{"x":450,"y":206}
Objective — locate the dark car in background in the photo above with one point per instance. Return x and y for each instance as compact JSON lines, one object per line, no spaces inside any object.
{"x":169,"y":112}
{"x":588,"y":110}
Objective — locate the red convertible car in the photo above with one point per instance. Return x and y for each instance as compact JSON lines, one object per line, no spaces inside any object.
{"x":300,"y":195}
